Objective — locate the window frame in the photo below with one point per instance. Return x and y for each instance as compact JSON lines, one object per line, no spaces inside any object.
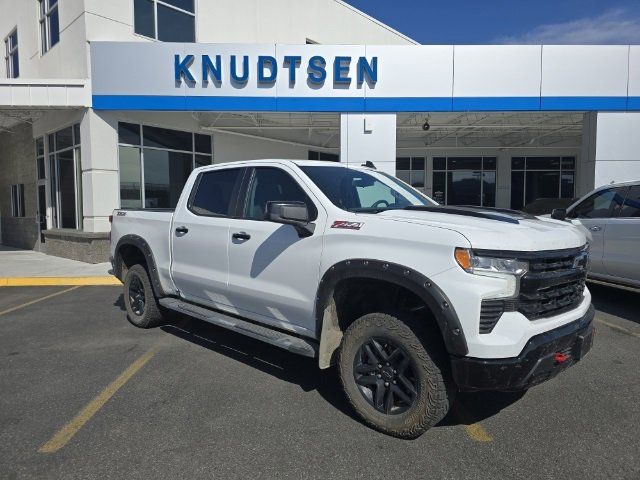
{"x":10,"y":52}
{"x":624,"y":203}
{"x":17,"y":200}
{"x":53,"y":175}
{"x":560,"y":170}
{"x":142,"y":147}
{"x":612,"y":214}
{"x":194,"y":14}
{"x":448,"y":170}
{"x":235,"y":192}
{"x":411,"y":170}
{"x":244,"y":193}
{"x":45,"y":10}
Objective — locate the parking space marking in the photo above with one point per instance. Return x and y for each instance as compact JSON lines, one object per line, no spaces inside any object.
{"x":478,"y":433}
{"x":58,"y":281}
{"x":618,"y":328}
{"x":37,"y":300}
{"x":66,"y":433}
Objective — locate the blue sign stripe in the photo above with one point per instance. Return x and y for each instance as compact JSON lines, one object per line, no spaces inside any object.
{"x":361,"y":104}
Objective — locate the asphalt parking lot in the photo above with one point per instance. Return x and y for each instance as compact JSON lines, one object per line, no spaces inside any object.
{"x":83,"y":394}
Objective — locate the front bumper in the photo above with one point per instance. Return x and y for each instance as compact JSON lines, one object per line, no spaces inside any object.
{"x":543,"y":357}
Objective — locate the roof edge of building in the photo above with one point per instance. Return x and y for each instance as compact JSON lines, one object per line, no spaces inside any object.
{"x":378,"y":22}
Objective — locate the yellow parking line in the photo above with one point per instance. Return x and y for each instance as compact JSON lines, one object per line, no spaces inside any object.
{"x":9,"y":310}
{"x":66,"y":433}
{"x":58,"y":281}
{"x":616,"y":327}
{"x":477,"y":433}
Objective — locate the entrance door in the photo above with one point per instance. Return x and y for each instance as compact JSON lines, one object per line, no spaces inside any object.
{"x":273,"y":272}
{"x":42,"y":210}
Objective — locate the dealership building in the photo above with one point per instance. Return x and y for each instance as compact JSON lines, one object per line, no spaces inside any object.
{"x":112,"y":104}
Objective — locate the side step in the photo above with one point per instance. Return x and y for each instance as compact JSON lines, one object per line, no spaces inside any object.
{"x":298,"y":345}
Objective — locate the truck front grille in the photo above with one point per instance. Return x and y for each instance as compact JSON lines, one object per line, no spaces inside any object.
{"x":554,"y":284}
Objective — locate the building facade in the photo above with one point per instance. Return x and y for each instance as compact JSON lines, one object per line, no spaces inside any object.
{"x":112,"y":104}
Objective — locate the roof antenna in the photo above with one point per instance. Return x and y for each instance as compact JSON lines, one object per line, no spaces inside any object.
{"x":369,"y":164}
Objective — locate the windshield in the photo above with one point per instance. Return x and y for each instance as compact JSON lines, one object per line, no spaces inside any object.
{"x":359,"y":191}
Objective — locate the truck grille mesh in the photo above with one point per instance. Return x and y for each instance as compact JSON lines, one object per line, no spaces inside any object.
{"x":553,"y":285}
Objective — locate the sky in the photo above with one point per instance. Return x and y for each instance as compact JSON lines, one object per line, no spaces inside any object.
{"x":510,"y":21}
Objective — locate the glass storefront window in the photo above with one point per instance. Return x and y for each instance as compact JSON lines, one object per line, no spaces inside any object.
{"x":412,"y":170}
{"x":464,"y":181}
{"x":533,"y":178}
{"x":156,"y":162}
{"x":65,"y":176}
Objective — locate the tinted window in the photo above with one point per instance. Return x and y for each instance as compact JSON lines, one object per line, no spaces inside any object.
{"x":165,"y":173}
{"x":598,"y":205}
{"x":64,"y":138}
{"x":214,"y":192}
{"x":165,"y":138}
{"x":144,"y":21}
{"x":631,"y":207}
{"x":273,"y":184}
{"x":175,"y":26}
{"x":129,"y":133}
{"x":359,"y":191}
{"x":203,"y":143}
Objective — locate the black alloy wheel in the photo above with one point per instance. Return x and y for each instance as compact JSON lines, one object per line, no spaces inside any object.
{"x":137,"y":296}
{"x":385,"y":376}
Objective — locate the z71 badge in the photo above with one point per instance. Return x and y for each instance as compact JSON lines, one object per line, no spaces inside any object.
{"x":347,"y":225}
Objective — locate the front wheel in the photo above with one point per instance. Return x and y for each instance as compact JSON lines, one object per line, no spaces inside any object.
{"x":141,"y":304}
{"x":394,"y":374}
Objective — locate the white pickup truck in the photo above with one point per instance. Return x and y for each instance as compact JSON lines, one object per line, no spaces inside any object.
{"x":412,"y":300}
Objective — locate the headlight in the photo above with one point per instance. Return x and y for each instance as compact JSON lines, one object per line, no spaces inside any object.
{"x":489,"y":265}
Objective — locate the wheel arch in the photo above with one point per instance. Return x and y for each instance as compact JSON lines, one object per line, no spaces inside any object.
{"x":328,"y":329}
{"x":125,"y":244}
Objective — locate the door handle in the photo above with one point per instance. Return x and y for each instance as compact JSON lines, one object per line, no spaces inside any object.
{"x":241,"y":236}
{"x":595,"y":228}
{"x":182,"y":230}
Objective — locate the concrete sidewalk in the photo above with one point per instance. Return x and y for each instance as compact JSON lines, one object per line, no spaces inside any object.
{"x":27,"y":267}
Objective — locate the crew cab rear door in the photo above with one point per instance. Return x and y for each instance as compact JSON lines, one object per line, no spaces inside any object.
{"x":273,"y":272}
{"x":200,"y":232}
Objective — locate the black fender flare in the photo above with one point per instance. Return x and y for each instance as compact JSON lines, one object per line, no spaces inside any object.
{"x":142,"y":245}
{"x":433,"y":296}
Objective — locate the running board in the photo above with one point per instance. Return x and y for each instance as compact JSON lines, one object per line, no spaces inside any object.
{"x":298,"y":345}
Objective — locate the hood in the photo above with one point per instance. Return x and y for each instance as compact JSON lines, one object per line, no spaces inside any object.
{"x":493,"y":228}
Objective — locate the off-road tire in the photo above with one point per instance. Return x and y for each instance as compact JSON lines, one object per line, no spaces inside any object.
{"x":423,"y":346}
{"x":150,"y":315}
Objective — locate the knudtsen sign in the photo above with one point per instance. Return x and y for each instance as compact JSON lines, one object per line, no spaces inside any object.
{"x":210,"y":69}
{"x":363,"y":78}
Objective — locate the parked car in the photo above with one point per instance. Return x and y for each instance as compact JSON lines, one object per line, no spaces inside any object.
{"x":544,"y":206}
{"x":611,"y":216}
{"x":411,"y":300}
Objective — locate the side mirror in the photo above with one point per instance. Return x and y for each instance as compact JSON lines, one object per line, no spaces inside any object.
{"x":559,"y":214}
{"x":295,"y":214}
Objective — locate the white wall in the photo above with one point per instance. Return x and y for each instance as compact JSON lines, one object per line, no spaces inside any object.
{"x":617,"y":152}
{"x":369,"y":137}
{"x":228,"y":147}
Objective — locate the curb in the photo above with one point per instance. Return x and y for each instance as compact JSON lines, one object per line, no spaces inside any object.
{"x":58,"y":281}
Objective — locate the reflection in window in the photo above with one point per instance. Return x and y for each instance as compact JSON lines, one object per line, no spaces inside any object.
{"x":165,"y":20}
{"x":464,"y":181}
{"x":65,"y":171}
{"x":156,"y":162}
{"x":631,"y":207}
{"x":541,"y":177}
{"x":49,"y":24}
{"x":412,"y":170}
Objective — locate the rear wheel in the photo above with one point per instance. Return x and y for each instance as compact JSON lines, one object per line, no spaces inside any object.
{"x":141,"y":304}
{"x":394,"y":374}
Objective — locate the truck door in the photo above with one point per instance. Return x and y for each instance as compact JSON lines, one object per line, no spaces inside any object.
{"x":622,"y":240}
{"x":273,"y":273}
{"x":200,"y":262}
{"x":593,"y":214}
